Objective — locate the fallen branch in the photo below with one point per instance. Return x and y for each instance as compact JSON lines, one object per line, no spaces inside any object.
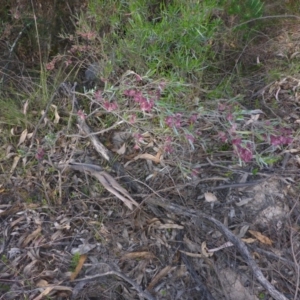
{"x":105,"y":179}
{"x":242,"y":248}
{"x":202,"y":288}
{"x":141,"y":292}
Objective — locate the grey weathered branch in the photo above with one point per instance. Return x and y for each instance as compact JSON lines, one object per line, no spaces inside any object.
{"x":141,"y":292}
{"x":105,"y":179}
{"x":240,"y":245}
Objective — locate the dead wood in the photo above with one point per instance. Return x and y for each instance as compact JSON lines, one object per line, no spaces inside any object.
{"x":241,"y":247}
{"x":108,"y":182}
{"x":205,"y":293}
{"x":141,"y":292}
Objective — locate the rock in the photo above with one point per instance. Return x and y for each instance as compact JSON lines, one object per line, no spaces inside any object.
{"x":92,"y":75}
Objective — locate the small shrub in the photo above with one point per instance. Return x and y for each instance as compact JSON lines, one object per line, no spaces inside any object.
{"x":74,"y":261}
{"x":245,"y":10}
{"x":250,"y":137}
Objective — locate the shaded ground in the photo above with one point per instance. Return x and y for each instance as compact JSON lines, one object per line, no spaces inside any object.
{"x":170,"y":246}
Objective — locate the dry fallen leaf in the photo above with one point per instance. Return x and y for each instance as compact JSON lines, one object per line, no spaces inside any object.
{"x":106,"y":180}
{"x":192,"y":246}
{"x":25,"y":107}
{"x":32,"y":236}
{"x":155,"y":158}
{"x":14,"y":223}
{"x":170,"y":226}
{"x":291,"y":151}
{"x":204,"y":250}
{"x":164,"y":272}
{"x":49,"y":289}
{"x":15,"y":163}
{"x":57,"y":117}
{"x":262,"y":238}
{"x":122,"y":150}
{"x":210,"y":197}
{"x":22,"y":137}
{"x":42,"y":283}
{"x":115,"y":188}
{"x":12,"y":210}
{"x":249,"y":240}
{"x":134,"y":255}
{"x":197,"y":255}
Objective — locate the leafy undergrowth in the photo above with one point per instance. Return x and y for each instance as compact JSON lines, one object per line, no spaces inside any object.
{"x":115,"y":189}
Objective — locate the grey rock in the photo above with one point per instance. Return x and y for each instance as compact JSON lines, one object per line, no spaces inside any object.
{"x":92,"y":75}
{"x":93,"y":72}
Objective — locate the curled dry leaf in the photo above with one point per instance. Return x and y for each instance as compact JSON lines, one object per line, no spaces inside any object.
{"x":204,"y":250}
{"x":63,"y":226}
{"x":244,"y":201}
{"x":243,"y":231}
{"x":122,"y":150}
{"x":115,"y":188}
{"x":151,"y":157}
{"x":210,"y":197}
{"x":53,"y":288}
{"x":253,"y":119}
{"x":42,"y":283}
{"x":262,"y":238}
{"x":57,"y":117}
{"x":25,"y":107}
{"x":22,"y":137}
{"x":108,"y":182}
